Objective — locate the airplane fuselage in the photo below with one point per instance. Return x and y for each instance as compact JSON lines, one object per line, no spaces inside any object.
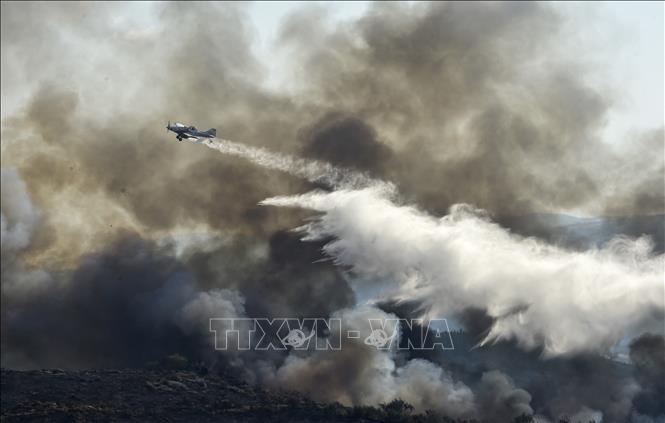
{"x":185,"y":132}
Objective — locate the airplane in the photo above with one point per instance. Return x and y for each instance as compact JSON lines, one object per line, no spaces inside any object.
{"x":189,"y":131}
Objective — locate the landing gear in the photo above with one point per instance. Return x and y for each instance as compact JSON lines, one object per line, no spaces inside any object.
{"x":179,"y":138}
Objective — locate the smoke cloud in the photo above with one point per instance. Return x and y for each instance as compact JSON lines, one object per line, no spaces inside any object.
{"x":313,"y":171}
{"x":566,"y":301}
{"x":118,"y":243}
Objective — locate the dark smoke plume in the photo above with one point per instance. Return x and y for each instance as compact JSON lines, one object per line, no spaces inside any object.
{"x":118,"y":243}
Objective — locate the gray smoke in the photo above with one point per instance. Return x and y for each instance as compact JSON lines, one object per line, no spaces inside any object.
{"x":648,"y":354}
{"x":118,"y":242}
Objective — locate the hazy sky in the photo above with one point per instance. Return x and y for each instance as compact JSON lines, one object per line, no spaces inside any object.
{"x":622,"y":43}
{"x":624,"y":40}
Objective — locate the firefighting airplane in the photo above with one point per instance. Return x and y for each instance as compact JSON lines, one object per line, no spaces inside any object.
{"x":183,"y":131}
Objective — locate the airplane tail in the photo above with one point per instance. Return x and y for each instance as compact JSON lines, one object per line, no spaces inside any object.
{"x":212,"y":131}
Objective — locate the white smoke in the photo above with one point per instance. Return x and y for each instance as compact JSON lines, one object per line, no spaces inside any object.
{"x":19,"y":216}
{"x":311,"y":170}
{"x":359,"y":374}
{"x":364,"y":375}
{"x":19,"y":220}
{"x":539,"y":294}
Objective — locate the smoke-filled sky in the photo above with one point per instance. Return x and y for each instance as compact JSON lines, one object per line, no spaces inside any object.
{"x":618,"y":37}
{"x":430,"y":156}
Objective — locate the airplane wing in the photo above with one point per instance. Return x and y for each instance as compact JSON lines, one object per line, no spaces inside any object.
{"x":188,"y":135}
